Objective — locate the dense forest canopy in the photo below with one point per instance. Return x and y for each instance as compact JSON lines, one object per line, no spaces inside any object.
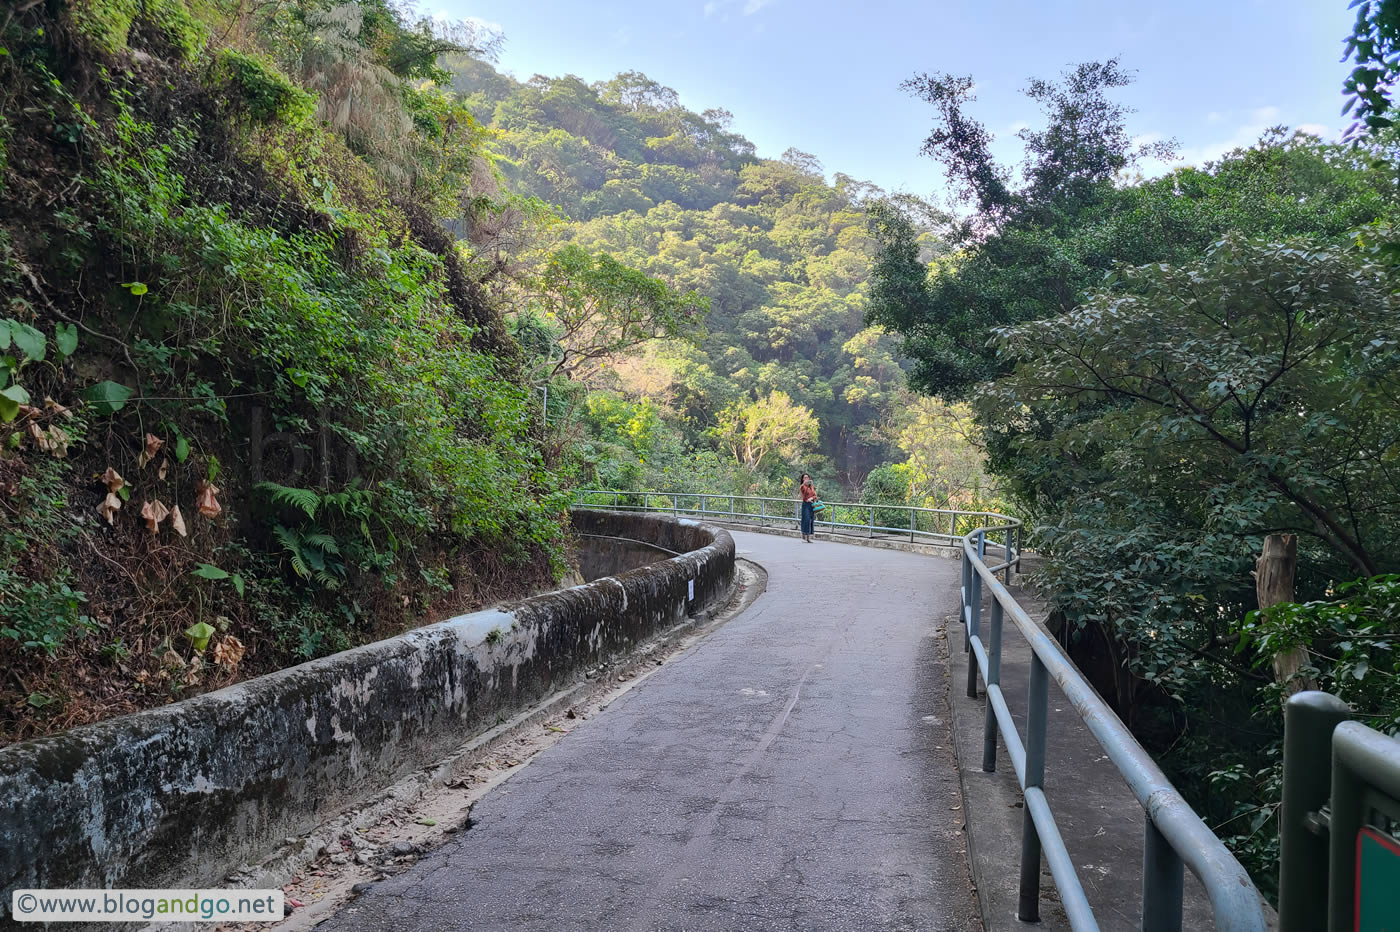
{"x":781,"y":255}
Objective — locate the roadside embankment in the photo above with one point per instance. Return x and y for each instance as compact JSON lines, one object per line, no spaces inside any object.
{"x":181,"y":795}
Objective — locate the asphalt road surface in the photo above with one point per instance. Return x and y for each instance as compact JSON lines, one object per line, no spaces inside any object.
{"x":791,"y":771}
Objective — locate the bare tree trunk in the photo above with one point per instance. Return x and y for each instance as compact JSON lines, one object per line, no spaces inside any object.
{"x":1273,"y":583}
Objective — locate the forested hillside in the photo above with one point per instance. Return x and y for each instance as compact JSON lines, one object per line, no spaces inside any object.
{"x":253,"y":406}
{"x":1169,"y":373}
{"x":784,"y":373}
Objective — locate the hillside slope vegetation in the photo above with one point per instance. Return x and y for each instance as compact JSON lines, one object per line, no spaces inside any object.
{"x":252,"y":408}
{"x":786,"y":374}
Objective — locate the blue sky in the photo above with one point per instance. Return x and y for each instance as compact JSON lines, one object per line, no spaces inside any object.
{"x":824,"y":76}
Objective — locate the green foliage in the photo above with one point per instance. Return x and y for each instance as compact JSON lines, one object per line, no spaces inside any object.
{"x":1373,"y":44}
{"x":259,"y":88}
{"x":109,"y":23}
{"x":1352,"y":642}
{"x":888,"y":485}
{"x":39,"y":611}
{"x":603,"y":309}
{"x":244,"y":270}
{"x":770,"y":432}
{"x":1033,"y":252}
{"x":781,"y":255}
{"x":1240,"y":378}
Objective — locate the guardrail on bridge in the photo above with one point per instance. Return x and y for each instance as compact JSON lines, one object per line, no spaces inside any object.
{"x":1175,"y":835}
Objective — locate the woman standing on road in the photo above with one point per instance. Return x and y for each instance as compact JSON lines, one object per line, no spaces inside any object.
{"x":809,"y":515}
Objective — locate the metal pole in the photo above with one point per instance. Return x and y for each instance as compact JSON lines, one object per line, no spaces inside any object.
{"x":872,"y":522}
{"x":911,"y":525}
{"x":1028,"y":905}
{"x":966,"y":601}
{"x":989,"y":724}
{"x":975,"y":601}
{"x":1309,"y":719}
{"x":1163,"y":882}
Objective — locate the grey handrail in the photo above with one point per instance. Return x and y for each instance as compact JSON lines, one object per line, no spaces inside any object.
{"x":1175,"y":835}
{"x":943,"y":527}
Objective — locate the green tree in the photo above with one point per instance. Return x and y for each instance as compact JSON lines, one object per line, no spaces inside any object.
{"x":604,"y":309}
{"x":768,"y":432}
{"x":1256,"y":377}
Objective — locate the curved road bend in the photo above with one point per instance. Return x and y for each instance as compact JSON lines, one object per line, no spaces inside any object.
{"x":791,"y":771}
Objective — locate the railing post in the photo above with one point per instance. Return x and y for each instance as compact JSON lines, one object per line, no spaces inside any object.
{"x":974,"y":596}
{"x":872,"y":522}
{"x":911,"y":525}
{"x":1028,"y":905}
{"x":966,"y":600}
{"x":1006,"y":576}
{"x":989,"y":724}
{"x":1309,"y":719}
{"x":1163,"y":880}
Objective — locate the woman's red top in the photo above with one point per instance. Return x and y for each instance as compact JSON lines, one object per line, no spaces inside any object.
{"x":809,"y":492}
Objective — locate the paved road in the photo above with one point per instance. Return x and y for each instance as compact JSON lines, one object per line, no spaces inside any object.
{"x":792,"y":771}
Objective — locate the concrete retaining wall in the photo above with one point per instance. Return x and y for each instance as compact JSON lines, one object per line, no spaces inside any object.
{"x":600,"y":555}
{"x":181,"y":795}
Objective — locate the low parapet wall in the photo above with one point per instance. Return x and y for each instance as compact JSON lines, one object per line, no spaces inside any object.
{"x":181,"y":795}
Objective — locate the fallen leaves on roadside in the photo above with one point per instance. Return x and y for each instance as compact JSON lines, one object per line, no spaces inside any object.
{"x":177,"y":522}
{"x":229,"y":652}
{"x":112,"y":479}
{"x":56,"y":409}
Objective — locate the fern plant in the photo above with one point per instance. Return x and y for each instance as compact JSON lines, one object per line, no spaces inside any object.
{"x":307,"y":500}
{"x":354,"y":503}
{"x":314,"y":554}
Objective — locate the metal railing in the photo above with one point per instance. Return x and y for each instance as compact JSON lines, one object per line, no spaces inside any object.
{"x":1175,"y":835}
{"x":1341,"y":809}
{"x":937,"y":526}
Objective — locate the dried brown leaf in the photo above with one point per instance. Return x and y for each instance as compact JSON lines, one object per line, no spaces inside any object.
{"x":59,"y":441}
{"x":208,"y":505}
{"x":177,"y":522}
{"x":56,"y":409}
{"x":164,"y":468}
{"x":113,"y":480}
{"x":229,"y":652}
{"x":154,"y":512}
{"x":110,"y":506}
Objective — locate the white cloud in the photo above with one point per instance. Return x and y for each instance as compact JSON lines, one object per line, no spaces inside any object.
{"x":1318,"y":130}
{"x":710,"y":8}
{"x":1246,"y":134}
{"x":753,"y":6}
{"x":485,"y":25}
